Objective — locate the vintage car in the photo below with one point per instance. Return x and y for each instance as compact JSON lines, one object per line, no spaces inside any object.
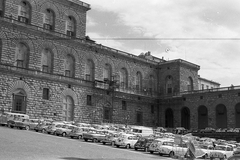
{"x":203,"y":151}
{"x":27,"y":124}
{"x":111,"y":138}
{"x":51,"y":129}
{"x":13,"y":119}
{"x":42,"y":126}
{"x":94,"y":135}
{"x":126,"y":140}
{"x":208,"y":130}
{"x":64,"y":130}
{"x":221,"y":152}
{"x":171,"y":149}
{"x":143,"y":143}
{"x":156,"y":143}
{"x":77,"y":132}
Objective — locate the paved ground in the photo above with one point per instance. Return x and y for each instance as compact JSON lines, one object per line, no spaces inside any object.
{"x":30,"y":145}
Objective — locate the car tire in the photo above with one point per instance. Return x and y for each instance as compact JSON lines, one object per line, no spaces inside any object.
{"x":85,"y":139}
{"x":71,"y":137}
{"x":160,"y":154}
{"x":27,"y":128}
{"x":103,"y":143}
{"x":171,"y":154}
{"x":205,"y":156}
{"x":48,"y":132}
{"x":151,"y":152}
{"x":64,"y":134}
{"x":94,"y":140}
{"x":117,"y":146}
{"x":128,"y":146}
{"x":135,"y":148}
{"x":80,"y":137}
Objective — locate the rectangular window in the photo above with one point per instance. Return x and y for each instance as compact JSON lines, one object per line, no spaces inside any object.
{"x":67,"y":73}
{"x":22,"y":19}
{"x":47,"y":26}
{"x":107,"y":114}
{"x":139,"y":118}
{"x":202,"y":86}
{"x":20,"y":63}
{"x":45,"y":68}
{"x":45,"y":93}
{"x":89,"y":100}
{"x":88,"y":77}
{"x":137,"y":87}
{"x":152,"y":109}
{"x":124,"y":105}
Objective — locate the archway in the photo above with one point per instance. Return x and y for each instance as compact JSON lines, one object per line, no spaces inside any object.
{"x":185,"y":118}
{"x":169,"y":118}
{"x":221,"y":116}
{"x":202,"y":117}
{"x":237,"y":115}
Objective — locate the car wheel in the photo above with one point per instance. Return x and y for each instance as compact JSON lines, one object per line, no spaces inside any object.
{"x":171,"y":154}
{"x":128,"y":146}
{"x":85,"y":139}
{"x":27,"y":128}
{"x":113,"y":143}
{"x":95,"y":140}
{"x":43,"y":130}
{"x":48,"y":132}
{"x":80,"y":137}
{"x":160,"y":154}
{"x":71,"y":137}
{"x":103,"y":143}
{"x":151,"y":152}
{"x":135,"y":148}
{"x":205,"y":156}
{"x":64,"y":134}
{"x":117,"y":146}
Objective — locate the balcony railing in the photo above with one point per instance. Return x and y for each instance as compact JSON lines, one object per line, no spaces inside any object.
{"x":43,"y":75}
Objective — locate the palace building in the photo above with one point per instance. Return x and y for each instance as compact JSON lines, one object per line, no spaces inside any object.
{"x":51,"y":69}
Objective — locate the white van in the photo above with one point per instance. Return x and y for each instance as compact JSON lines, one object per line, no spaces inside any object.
{"x":143,"y":131}
{"x":6,"y":117}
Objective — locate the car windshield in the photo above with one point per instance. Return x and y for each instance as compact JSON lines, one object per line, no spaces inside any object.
{"x":168,"y":143}
{"x":223,"y":148}
{"x":59,"y":125}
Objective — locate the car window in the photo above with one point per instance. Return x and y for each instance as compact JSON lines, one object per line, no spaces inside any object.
{"x":168,"y":143}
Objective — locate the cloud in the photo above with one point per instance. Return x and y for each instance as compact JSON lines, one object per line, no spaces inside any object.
{"x":197,"y":31}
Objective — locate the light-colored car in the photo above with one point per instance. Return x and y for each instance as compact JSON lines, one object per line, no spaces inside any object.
{"x":111,"y":138}
{"x":94,"y":135}
{"x":155,"y":145}
{"x":64,"y":130}
{"x":51,"y":129}
{"x":203,"y":151}
{"x":221,"y":152}
{"x":171,"y":149}
{"x":126,"y":140}
{"x":27,"y":124}
{"x":77,"y":132}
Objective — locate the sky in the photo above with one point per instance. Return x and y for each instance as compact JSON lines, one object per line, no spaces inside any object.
{"x":203,"y":32}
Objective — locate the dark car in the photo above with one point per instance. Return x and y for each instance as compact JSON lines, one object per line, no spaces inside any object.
{"x":143,"y":143}
{"x":208,"y":130}
{"x":234,"y":157}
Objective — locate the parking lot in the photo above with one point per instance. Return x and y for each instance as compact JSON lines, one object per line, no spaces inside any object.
{"x":28,"y":145}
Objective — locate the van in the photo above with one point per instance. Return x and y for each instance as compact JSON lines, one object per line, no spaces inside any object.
{"x":8,"y":118}
{"x":143,"y":131}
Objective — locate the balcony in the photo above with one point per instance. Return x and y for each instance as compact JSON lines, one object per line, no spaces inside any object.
{"x":42,"y":75}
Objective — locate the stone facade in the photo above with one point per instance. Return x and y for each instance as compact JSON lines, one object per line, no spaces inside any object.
{"x":50,"y":69}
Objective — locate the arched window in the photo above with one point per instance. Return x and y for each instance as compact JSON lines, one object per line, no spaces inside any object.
{"x":21,"y":55}
{"x":49,"y":19}
{"x":70,"y":26}
{"x":69,"y":66}
{"x":151,"y":83}
{"x":169,"y":83}
{"x":190,"y":84}
{"x":68,"y":109}
{"x":107,"y":72}
{"x":24,"y":12}
{"x":90,"y":70}
{"x":47,"y":61}
{"x":138,"y":81}
{"x":123,"y":78}
{"x":2,"y":7}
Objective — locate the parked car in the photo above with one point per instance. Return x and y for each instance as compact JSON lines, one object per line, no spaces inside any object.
{"x":94,"y":135}
{"x":77,"y":132}
{"x":143,"y":143}
{"x":126,"y":140}
{"x":111,"y":138}
{"x":13,"y":119}
{"x":51,"y":129}
{"x":27,"y":124}
{"x":208,"y":130}
{"x":64,"y":130}
{"x":221,"y":152}
{"x":203,"y":151}
{"x":171,"y":149}
{"x":154,"y":146}
{"x":42,"y":126}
